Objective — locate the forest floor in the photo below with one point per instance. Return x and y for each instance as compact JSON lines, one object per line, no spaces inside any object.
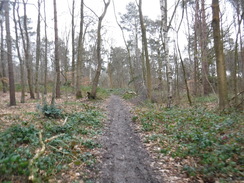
{"x":112,"y":141}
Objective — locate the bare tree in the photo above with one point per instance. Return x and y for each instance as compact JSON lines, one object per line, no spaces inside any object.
{"x":99,"y":59}
{"x":9,"y":55}
{"x":203,"y":45}
{"x":165,"y":40}
{"x":45,"y":52}
{"x":57,"y":64}
{"x":79,"y":54}
{"x":22,"y":68}
{"x":38,"y":49}
{"x":145,"y":50}
{"x":218,"y":46}
{"x":3,"y":73}
{"x":196,"y":36}
{"x":26,"y":46}
{"x":73,"y":44}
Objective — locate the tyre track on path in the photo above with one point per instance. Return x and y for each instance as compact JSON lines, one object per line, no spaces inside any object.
{"x":124,"y":160}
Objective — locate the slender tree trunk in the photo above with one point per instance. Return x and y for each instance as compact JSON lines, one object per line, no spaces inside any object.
{"x":196,"y":33}
{"x":184,"y":74}
{"x":79,"y":54}
{"x":204,"y":43}
{"x":110,"y":75}
{"x":38,"y":50}
{"x":9,"y":55}
{"x":22,"y":69}
{"x":218,"y":46}
{"x":176,"y":73}
{"x":148,"y":65}
{"x":240,"y":82}
{"x":4,"y":75}
{"x":165,"y":38}
{"x":57,"y":61}
{"x":160,"y":67}
{"x":45,"y":52}
{"x":73,"y":44}
{"x":99,"y":59}
{"x":28,"y":60}
{"x":143,"y":65}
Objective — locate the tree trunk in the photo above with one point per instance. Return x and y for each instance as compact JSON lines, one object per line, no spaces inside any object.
{"x":160,"y":67}
{"x":148,"y":65}
{"x":165,"y":39}
{"x":73,"y":45}
{"x":9,"y":55}
{"x":4,"y":75}
{"x":79,"y":54}
{"x":38,"y":50}
{"x":28,"y":60}
{"x":196,"y":35}
{"x":45,"y":54}
{"x":22,"y":69}
{"x":99,"y":59}
{"x":218,"y":46}
{"x":57,"y":64}
{"x":110,"y":75}
{"x":204,"y":43}
{"x":184,"y":74}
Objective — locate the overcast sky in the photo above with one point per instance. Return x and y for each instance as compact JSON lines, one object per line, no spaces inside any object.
{"x":151,"y":9}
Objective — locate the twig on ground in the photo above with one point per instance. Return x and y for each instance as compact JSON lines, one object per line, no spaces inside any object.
{"x":39,"y":152}
{"x":65,"y":121}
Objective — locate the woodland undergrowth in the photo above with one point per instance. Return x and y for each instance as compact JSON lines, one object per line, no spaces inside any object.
{"x":205,"y":144}
{"x":57,"y":144}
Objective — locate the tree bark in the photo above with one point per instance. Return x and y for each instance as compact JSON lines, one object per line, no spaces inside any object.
{"x":79,"y":54}
{"x":218,"y":46}
{"x":22,"y":69}
{"x":4,"y":75}
{"x":165,"y":39}
{"x":148,"y":64}
{"x":9,"y":55}
{"x":99,"y":59}
{"x":73,"y":45}
{"x":196,"y":36}
{"x":38,"y":50}
{"x":57,"y":62}
{"x":28,"y":60}
{"x":204,"y":57}
{"x":45,"y":52}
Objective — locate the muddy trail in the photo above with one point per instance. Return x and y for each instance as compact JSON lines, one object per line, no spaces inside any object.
{"x":124,"y":160}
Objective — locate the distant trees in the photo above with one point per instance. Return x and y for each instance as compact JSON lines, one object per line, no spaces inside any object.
{"x":163,"y":60}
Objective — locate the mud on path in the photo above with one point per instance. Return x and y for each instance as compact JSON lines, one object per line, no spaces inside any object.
{"x":125,"y":160}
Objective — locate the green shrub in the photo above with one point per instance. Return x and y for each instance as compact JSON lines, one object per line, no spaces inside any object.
{"x":51,"y":111}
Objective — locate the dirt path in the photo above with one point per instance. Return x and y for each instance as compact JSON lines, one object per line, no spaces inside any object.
{"x":125,"y":159}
